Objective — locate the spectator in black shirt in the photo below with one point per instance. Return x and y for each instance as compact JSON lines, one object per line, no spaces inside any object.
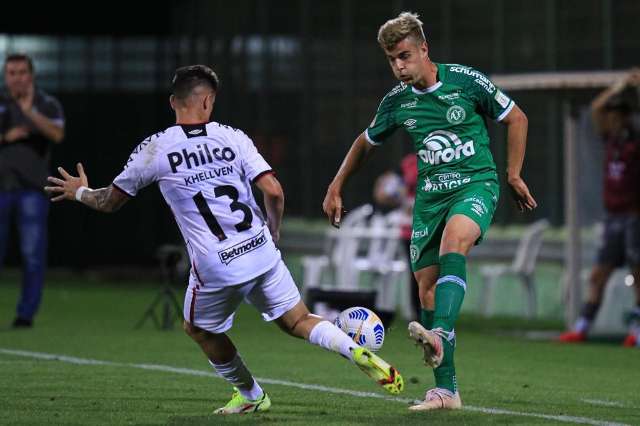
{"x":30,"y":121}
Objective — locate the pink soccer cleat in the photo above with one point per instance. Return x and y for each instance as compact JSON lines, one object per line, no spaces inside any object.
{"x":438,"y":399}
{"x":430,"y":341}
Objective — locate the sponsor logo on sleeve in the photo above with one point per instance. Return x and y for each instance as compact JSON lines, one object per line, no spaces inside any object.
{"x":247,"y":246}
{"x":502,"y":99}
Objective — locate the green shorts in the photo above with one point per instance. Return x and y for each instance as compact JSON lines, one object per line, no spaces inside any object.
{"x":476,"y":200}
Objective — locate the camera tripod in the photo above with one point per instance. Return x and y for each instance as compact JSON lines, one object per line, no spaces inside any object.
{"x":165,"y":301}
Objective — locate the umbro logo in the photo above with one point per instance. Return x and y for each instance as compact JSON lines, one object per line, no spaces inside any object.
{"x":410,"y":123}
{"x":195,"y":132}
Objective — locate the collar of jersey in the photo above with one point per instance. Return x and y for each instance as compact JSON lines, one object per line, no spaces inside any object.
{"x":429,"y":89}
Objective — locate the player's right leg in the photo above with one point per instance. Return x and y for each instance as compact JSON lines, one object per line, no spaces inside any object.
{"x":299,"y":322}
{"x":278,"y":298}
{"x":208,"y":315}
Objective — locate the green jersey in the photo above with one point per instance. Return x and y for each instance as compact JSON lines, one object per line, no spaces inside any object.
{"x":447,"y":126}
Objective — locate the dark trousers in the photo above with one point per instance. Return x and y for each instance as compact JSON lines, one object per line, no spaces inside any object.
{"x":29,"y":209}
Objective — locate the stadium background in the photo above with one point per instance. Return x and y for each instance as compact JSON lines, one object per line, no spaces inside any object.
{"x":302,"y":78}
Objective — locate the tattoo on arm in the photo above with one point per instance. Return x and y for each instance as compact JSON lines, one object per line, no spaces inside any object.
{"x":104,"y":199}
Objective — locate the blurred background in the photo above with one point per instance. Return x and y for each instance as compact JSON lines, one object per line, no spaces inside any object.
{"x":303,"y":79}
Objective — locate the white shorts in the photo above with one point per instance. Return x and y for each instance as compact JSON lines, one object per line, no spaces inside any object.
{"x":273,"y":294}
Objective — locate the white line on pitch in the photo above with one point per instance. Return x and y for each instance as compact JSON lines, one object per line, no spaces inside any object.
{"x":603,"y":402}
{"x":327,"y":389}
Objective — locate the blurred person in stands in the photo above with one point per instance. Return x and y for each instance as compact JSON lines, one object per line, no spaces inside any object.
{"x":409,"y":169}
{"x":204,"y":170}
{"x":620,"y":245}
{"x":31,"y":121}
{"x":397,"y":190}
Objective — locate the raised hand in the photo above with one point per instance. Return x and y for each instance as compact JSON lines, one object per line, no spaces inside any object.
{"x":66,"y":188}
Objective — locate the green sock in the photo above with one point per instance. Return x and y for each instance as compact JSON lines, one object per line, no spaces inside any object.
{"x":450,"y":290}
{"x":426,"y":318}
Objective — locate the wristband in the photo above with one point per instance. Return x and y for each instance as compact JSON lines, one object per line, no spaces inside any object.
{"x":80,"y":191}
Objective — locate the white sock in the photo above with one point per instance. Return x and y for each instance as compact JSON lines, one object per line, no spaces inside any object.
{"x":330,"y":337}
{"x":236,"y":373}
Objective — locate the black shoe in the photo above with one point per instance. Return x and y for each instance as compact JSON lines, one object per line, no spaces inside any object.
{"x":22,"y":323}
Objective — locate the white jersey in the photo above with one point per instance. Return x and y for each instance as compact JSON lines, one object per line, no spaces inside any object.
{"x":205,"y":172}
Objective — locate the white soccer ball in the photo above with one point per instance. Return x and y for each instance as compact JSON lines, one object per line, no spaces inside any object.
{"x":363,"y":326}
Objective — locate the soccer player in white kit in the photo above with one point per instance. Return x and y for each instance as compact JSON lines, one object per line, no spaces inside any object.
{"x":204,"y":170}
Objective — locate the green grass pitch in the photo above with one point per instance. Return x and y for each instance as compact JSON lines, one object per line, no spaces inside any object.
{"x":503,"y":378}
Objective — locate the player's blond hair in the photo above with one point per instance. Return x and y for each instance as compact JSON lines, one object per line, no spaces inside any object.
{"x":397,"y":29}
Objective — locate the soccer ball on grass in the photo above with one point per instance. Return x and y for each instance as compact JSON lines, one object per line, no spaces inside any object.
{"x":363,"y":326}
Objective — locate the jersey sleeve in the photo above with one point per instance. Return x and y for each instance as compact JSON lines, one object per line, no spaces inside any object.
{"x":140,"y":170}
{"x":491,"y":100}
{"x":383,"y":124}
{"x":252,"y":162}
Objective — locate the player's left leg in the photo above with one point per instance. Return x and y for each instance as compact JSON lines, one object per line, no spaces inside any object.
{"x":248,"y":396}
{"x":459,"y":235}
{"x":208,"y":314}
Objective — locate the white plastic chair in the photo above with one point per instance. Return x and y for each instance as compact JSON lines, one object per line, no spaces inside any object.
{"x":363,"y":244}
{"x":522,"y":267}
{"x":339,"y":251}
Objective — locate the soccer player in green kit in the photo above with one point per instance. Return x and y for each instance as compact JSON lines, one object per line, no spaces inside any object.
{"x":443,"y":108}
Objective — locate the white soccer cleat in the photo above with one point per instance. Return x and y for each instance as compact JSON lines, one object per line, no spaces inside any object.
{"x":431,"y":342}
{"x":439,"y":399}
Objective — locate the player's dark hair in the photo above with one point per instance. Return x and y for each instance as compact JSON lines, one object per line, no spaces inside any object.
{"x":188,"y":78}
{"x":19,"y":57}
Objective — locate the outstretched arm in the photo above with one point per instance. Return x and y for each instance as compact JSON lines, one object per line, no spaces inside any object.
{"x":107,"y":200}
{"x":332,"y":204}
{"x":517,"y":125}
{"x":273,"y":202}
